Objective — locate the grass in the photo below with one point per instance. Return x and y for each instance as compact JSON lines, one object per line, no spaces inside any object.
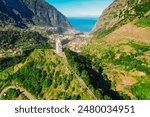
{"x":45,"y":75}
{"x":89,"y":68}
{"x":143,"y":22}
{"x":142,"y":90}
{"x":129,"y":61}
{"x":13,"y":94}
{"x":135,"y":10}
{"x":119,"y":69}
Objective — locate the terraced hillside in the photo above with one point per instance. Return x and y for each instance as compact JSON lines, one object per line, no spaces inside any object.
{"x":121,"y":46}
{"x":124,"y":55}
{"x":115,"y":64}
{"x":44,"y":75}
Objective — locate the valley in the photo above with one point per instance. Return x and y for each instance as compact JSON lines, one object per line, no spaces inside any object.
{"x":112,"y":62}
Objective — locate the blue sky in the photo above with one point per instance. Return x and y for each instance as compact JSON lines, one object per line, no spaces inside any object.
{"x":81,"y":8}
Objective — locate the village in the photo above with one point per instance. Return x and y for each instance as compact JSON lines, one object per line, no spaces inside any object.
{"x":73,"y":41}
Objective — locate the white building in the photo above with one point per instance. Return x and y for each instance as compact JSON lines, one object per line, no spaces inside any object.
{"x":58,"y":46}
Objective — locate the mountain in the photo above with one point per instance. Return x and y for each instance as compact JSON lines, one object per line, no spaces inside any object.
{"x":121,"y":47}
{"x":23,"y":13}
{"x":29,"y":64}
{"x":44,"y":75}
{"x":121,"y":12}
{"x":115,"y":64}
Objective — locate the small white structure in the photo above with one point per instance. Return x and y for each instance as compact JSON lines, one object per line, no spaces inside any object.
{"x":58,"y":46}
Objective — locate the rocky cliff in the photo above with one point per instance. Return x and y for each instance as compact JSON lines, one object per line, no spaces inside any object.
{"x":121,"y":12}
{"x":35,"y":12}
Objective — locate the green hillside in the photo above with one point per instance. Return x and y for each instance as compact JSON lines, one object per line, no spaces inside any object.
{"x":115,"y":65}
{"x":122,"y":12}
{"x":128,"y":70}
{"x":121,"y":46}
{"x":45,"y":75}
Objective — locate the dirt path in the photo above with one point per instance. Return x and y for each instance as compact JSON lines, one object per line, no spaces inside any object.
{"x":25,"y":92}
{"x":79,"y":78}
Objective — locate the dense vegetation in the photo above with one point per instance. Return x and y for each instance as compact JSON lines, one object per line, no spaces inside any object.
{"x":13,"y":39}
{"x":134,"y":11}
{"x":129,"y":60}
{"x":16,"y":46}
{"x":111,"y":71}
{"x":143,"y":22}
{"x":126,"y":66}
{"x":13,"y":94}
{"x":92,"y":74}
{"x":45,"y":75}
{"x":7,"y":62}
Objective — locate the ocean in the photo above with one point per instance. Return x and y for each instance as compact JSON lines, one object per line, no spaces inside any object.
{"x":83,"y":24}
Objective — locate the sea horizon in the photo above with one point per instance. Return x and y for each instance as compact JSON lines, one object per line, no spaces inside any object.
{"x":83,"y":24}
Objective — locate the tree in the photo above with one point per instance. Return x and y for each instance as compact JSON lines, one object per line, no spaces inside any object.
{"x":85,"y":76}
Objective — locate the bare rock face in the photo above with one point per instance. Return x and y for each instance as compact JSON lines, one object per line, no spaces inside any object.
{"x":21,"y":13}
{"x":121,"y":12}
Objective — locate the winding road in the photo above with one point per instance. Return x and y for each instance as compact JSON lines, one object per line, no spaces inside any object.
{"x":31,"y":97}
{"x":78,"y":77}
{"x":24,"y":92}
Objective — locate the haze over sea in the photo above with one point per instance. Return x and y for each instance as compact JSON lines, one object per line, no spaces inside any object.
{"x":77,"y":11}
{"x":82,"y":24}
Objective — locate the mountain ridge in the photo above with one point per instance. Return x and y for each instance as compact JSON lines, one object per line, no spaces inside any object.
{"x":116,"y":66}
{"x":121,"y":46}
{"x":21,"y":13}
{"x":121,"y":12}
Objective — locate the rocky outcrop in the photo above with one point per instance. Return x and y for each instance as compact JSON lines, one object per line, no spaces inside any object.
{"x":23,"y":13}
{"x":121,"y":12}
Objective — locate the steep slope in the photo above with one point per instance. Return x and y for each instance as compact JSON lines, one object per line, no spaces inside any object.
{"x":121,"y":46}
{"x":44,"y":75}
{"x":116,"y":66}
{"x":121,"y":12}
{"x":124,"y":56}
{"x":15,"y":42}
{"x":35,"y":12}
